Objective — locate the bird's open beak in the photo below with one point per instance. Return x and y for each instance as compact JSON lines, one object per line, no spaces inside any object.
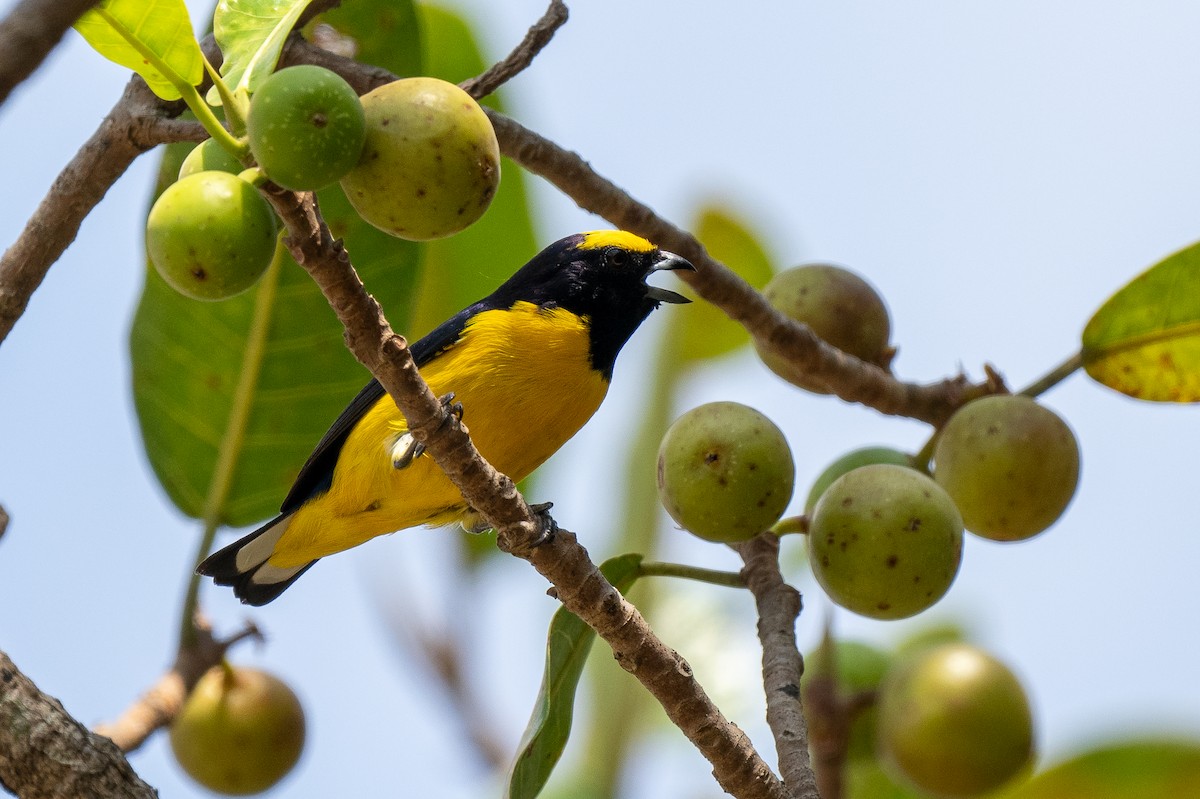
{"x":668,"y":262}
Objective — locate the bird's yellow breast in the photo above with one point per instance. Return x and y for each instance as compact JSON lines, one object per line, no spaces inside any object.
{"x":526,"y":384}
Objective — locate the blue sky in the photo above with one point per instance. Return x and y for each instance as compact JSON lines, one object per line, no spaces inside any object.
{"x":996,"y":169}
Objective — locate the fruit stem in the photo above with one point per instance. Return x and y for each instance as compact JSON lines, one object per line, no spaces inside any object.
{"x":254,"y":176}
{"x":711,"y":576}
{"x":790,"y":525}
{"x":1054,"y":376}
{"x":234,"y":107}
{"x":187,"y":91}
{"x":235,"y":432}
{"x":921,"y":460}
{"x":236,"y":147}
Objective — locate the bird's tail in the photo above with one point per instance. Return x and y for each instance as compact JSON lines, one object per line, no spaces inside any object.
{"x":243,"y":565}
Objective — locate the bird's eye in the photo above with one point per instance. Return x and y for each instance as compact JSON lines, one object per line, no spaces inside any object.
{"x":617,"y":257}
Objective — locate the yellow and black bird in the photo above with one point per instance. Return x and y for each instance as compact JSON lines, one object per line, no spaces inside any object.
{"x":530,"y":363}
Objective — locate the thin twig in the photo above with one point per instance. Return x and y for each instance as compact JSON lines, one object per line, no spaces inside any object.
{"x":538,"y":36}
{"x":29,"y":33}
{"x":441,"y":652}
{"x":778,"y":607}
{"x":158,"y":706}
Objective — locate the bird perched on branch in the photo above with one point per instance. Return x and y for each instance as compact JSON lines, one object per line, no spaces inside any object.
{"x":529,"y":364}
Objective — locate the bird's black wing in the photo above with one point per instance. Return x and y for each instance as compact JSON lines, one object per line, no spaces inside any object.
{"x":316,"y":475}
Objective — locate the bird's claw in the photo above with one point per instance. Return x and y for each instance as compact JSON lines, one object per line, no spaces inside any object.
{"x":549,"y":526}
{"x":453,"y":408}
{"x":407,"y":449}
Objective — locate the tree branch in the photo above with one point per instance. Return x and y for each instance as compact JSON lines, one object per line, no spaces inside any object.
{"x":133,"y":126}
{"x":159,"y":705}
{"x":778,"y":607}
{"x":29,"y":33}
{"x":46,"y":754}
{"x":810,"y":358}
{"x":580,"y":586}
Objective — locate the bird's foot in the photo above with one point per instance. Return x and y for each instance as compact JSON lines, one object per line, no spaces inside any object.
{"x":407,"y":449}
{"x":549,"y":526}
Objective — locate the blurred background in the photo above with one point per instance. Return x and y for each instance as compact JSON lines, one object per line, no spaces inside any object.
{"x":995,"y":169}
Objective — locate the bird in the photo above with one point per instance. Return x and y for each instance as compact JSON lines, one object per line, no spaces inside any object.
{"x":525,"y":367}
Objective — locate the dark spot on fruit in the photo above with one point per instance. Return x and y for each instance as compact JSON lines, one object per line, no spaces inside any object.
{"x":752,"y":466}
{"x":876,"y":514}
{"x":892,"y":561}
{"x":913,"y":525}
{"x":825,"y":560}
{"x":383,"y":123}
{"x":884,"y":606}
{"x":847,"y":502}
{"x":319,"y":120}
{"x":421,"y":192}
{"x":712,"y":457}
{"x":762,"y":503}
{"x":916,"y":578}
{"x":199,"y":273}
{"x":721,"y":481}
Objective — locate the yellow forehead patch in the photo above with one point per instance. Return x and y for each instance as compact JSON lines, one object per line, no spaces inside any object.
{"x":614,"y":238}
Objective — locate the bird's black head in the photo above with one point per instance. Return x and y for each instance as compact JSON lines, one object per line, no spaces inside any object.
{"x":599,"y":275}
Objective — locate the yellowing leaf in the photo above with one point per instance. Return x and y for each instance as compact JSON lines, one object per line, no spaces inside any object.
{"x":1166,"y":769}
{"x":154,"y":38}
{"x":1145,"y":340}
{"x":701,"y":331}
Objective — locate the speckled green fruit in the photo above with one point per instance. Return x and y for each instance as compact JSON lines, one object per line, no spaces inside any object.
{"x":858,"y":667}
{"x":885,"y":541}
{"x":306,"y":127}
{"x":839,"y":306}
{"x":725,"y":472}
{"x":849,"y":462}
{"x":954,"y":721}
{"x":210,"y":235}
{"x":430,"y":165}
{"x":1010,"y":464}
{"x":209,"y":156}
{"x":240,"y":731}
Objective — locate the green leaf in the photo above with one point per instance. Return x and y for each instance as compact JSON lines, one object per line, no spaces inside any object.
{"x":701,"y":331}
{"x":1154,"y":769}
{"x":154,"y":38}
{"x":567,"y":647}
{"x":1145,"y":340}
{"x":380,"y":32}
{"x":250,"y":34}
{"x":188,"y":357}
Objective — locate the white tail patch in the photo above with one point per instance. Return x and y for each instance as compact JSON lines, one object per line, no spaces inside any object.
{"x":267,"y":574}
{"x":256,"y":552}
